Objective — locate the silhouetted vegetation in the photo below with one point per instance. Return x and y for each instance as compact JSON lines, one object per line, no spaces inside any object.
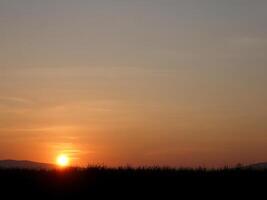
{"x":129,"y":182}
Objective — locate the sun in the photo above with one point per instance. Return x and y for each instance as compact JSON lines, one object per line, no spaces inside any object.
{"x":63,"y":160}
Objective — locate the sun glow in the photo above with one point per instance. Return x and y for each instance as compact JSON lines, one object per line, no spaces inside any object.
{"x":63,"y":160}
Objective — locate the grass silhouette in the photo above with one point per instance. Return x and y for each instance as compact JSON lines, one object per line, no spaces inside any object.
{"x":99,"y":181}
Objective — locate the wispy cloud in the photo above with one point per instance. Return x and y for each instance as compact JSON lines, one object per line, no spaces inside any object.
{"x":251,"y":41}
{"x":15,"y":100}
{"x":50,"y":129}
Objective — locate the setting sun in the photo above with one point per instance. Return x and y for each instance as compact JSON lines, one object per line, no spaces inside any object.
{"x":63,"y":160}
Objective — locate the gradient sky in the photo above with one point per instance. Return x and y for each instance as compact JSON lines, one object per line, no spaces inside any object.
{"x":143,"y":82}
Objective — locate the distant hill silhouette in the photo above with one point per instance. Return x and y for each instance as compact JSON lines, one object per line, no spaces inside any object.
{"x":24,"y":164}
{"x":258,"y":166}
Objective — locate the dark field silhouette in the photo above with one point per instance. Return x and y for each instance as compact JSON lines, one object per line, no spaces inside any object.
{"x":125,"y":183}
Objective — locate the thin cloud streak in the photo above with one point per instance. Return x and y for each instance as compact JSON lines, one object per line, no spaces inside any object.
{"x":15,"y":100}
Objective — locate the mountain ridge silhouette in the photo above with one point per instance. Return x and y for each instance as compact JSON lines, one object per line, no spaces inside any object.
{"x":258,"y":166}
{"x":25,"y":164}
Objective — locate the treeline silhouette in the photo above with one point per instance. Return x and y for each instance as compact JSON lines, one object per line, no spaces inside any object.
{"x":127,"y":183}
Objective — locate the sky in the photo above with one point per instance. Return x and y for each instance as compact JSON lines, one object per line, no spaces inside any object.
{"x":144,"y":82}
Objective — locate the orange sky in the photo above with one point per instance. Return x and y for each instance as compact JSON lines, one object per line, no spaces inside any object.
{"x":179,"y":83}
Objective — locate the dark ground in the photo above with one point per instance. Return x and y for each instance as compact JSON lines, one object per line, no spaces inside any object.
{"x":128,"y":183}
